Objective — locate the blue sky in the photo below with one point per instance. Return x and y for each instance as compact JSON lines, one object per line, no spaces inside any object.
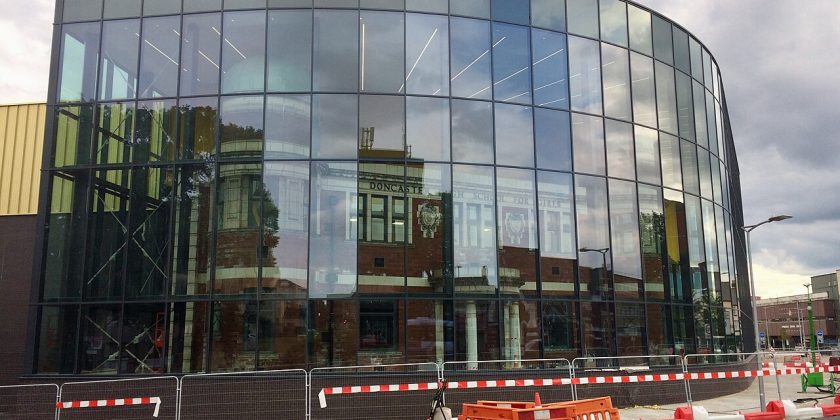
{"x":780,"y":63}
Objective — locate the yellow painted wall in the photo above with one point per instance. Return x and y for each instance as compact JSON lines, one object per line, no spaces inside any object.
{"x":21,"y":148}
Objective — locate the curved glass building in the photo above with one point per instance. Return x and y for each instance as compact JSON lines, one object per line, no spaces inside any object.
{"x":268,"y":184}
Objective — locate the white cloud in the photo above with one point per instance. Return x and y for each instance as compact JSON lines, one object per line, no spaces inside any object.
{"x":26,"y":31}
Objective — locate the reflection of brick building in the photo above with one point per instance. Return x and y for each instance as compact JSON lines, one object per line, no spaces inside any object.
{"x":784,"y":320}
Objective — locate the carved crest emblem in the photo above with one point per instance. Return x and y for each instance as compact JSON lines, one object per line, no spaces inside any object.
{"x":428,"y":217}
{"x":514,"y":227}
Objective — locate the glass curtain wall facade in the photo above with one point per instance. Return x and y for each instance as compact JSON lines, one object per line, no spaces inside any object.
{"x":263,"y":184}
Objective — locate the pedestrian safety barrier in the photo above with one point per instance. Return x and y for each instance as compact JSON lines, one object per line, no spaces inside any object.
{"x":404,"y":390}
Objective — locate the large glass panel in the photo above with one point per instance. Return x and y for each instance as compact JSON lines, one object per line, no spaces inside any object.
{"x":691,"y":179}
{"x":159,"y":57}
{"x":115,"y":9}
{"x":666,"y":98}
{"x":118,"y":64}
{"x":198,"y":120}
{"x":517,"y":230}
{"x":381,"y":220}
{"x":234,"y":336}
{"x":703,"y":163}
{"x":640,"y":29}
{"x":711,"y":125}
{"x":683,"y":324}
{"x":187,"y":338}
{"x":514,"y":135}
{"x":551,"y":87}
{"x":100,"y":345}
{"x":143,"y":330}
{"x":561,"y":331}
{"x":429,"y":262}
{"x":472,"y":131}
{"x":620,"y":150}
{"x":470,"y":71}
{"x":333,"y":229}
{"x":193,"y":229}
{"x":630,"y":329}
{"x":616,"y":69}
{"x":596,"y":320}
{"x":550,"y":14}
{"x":696,"y":60}
{"x":149,"y":229}
{"x":243,"y":52}
{"x":647,"y":156}
{"x":474,"y":230}
{"x":583,"y":17}
{"x":241,"y":121}
{"x":588,"y":141}
{"x":350,"y":4}
{"x":429,"y":329}
{"x":514,"y":11}
{"x":115,"y":133}
{"x":624,"y":231}
{"x":700,"y":123}
{"x":426,"y":55}
{"x":708,"y":80}
{"x":282,"y":334}
{"x":659,"y":338}
{"x":244,"y":4}
{"x":663,"y":48}
{"x":477,"y":331}
{"x":697,"y":259}
{"x":285,"y":228}
{"x":427,"y":128}
{"x":472,"y":8}
{"x":511,"y":64}
{"x":200,"y":54}
{"x":614,"y":21}
{"x":289,"y":50}
{"x":73,"y":135}
{"x":685,"y":107}
{"x":239,"y":215}
{"x":585,"y":75}
{"x":65,"y":238}
{"x":716,"y":186}
{"x":334,"y":327}
{"x":553,"y":138}
{"x":652,"y":227}
{"x":161,"y":7}
{"x":711,"y":248}
{"x":431,"y":6}
{"x":521,"y":330}
{"x":681,"y":55}
{"x":202,"y":5}
{"x":287,"y":126}
{"x":382,"y":126}
{"x":57,"y":339}
{"x":383,"y":4}
{"x":671,"y":166}
{"x":336,"y":56}
{"x":75,"y":10}
{"x":644,"y":98}
{"x":679,"y":281}
{"x":381,"y":52}
{"x":107,"y":218}
{"x":79,"y":56}
{"x":558,"y":254}
{"x":335,"y":126}
{"x":593,"y":236}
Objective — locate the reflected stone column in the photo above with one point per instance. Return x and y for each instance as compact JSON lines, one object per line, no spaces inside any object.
{"x":472,"y":336}
{"x":508,"y":351}
{"x":516,"y":348}
{"x":439,"y":339}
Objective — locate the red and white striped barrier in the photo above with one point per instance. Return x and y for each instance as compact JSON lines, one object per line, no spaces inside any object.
{"x":791,"y":412}
{"x":363,"y":389}
{"x":700,"y":413}
{"x":112,"y":403}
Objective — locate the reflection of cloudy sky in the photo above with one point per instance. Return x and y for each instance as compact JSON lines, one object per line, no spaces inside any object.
{"x":779,"y":63}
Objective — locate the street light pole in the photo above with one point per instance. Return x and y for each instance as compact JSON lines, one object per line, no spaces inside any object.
{"x":747,"y":229}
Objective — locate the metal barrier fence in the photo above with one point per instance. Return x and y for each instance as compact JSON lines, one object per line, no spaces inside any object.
{"x":28,"y":401}
{"x":367,"y":405}
{"x":165,"y":387}
{"x":506,"y":380}
{"x":718,"y":382}
{"x":262,"y":394}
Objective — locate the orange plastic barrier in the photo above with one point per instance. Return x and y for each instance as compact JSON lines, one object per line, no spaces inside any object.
{"x":509,"y":410}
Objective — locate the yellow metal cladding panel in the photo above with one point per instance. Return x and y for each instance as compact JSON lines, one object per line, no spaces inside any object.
{"x":21,"y":147}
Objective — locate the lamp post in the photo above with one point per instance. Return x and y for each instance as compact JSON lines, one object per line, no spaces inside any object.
{"x":603,"y":252}
{"x":747,"y":229}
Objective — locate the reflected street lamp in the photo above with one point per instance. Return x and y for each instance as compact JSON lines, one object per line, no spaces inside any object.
{"x":603,"y":252}
{"x":747,"y":229}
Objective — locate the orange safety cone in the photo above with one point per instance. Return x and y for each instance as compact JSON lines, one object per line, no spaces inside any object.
{"x":537,"y":401}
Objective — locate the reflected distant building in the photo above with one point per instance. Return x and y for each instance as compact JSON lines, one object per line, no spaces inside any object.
{"x":276,"y":185}
{"x":783,"y":321}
